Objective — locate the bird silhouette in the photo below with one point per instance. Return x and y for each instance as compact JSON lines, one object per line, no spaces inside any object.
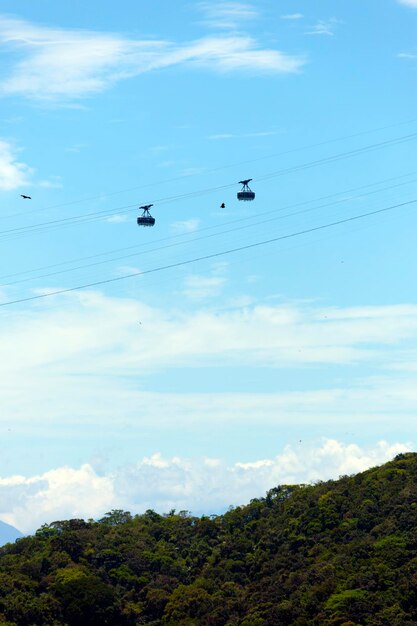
{"x":222,"y":206}
{"x":25,"y":197}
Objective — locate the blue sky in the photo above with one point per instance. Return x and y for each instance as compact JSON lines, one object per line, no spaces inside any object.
{"x":209,"y":382}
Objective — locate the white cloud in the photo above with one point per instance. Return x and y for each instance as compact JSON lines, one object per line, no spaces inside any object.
{"x":56,"y":361}
{"x":58,"y":64}
{"x":28,"y":502}
{"x":186,"y":226}
{"x":407,"y":55}
{"x":292,"y":16}
{"x":13,"y":173}
{"x":192,"y":171}
{"x":117,"y":219}
{"x":227,"y":15}
{"x":408,"y":3}
{"x":324,"y":27}
{"x":240,"y":53}
{"x":202,"y":485}
{"x":223,"y":136}
{"x":199,"y":287}
{"x":54,"y":182}
{"x":262,"y":133}
{"x":90,"y":374}
{"x":209,"y":286}
{"x":158,"y":150}
{"x":76,"y":147}
{"x":98,"y":333}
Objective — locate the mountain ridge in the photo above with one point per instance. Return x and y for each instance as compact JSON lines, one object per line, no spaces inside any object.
{"x":8,"y":533}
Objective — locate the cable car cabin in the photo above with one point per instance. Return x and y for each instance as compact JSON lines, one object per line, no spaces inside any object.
{"x":246,"y":192}
{"x":146,"y":218}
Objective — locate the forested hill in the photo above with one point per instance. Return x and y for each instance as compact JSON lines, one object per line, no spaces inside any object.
{"x":338,"y":553}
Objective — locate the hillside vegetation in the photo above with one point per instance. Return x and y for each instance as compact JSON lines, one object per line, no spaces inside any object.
{"x":338,"y":553}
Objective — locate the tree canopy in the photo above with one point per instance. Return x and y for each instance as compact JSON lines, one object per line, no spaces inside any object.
{"x":337,"y":553}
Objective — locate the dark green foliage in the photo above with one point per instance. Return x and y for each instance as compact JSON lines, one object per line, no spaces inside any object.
{"x":339,"y":553}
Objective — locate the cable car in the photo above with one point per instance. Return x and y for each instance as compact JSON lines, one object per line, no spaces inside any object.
{"x":146,"y":218}
{"x":246,"y":192}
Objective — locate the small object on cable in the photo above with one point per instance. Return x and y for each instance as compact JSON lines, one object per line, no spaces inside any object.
{"x":246,"y":192}
{"x":146,"y":218}
{"x":25,"y":197}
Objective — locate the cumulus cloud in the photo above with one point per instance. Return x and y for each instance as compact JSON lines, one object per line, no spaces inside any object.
{"x":58,"y":64}
{"x":211,"y":485}
{"x":13,"y":173}
{"x":29,"y":502}
{"x":202,"y":485}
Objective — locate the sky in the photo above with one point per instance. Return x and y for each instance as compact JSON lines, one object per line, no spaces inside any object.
{"x":197,"y":364}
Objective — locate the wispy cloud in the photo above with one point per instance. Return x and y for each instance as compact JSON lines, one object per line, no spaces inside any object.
{"x":117,"y":219}
{"x":157,"y":150}
{"x":407,"y":55}
{"x":192,"y":171}
{"x":198,"y":287}
{"x":408,"y":3}
{"x":227,"y":15}
{"x":58,"y":64}
{"x":86,"y":358}
{"x":202,"y":485}
{"x":87,"y":332}
{"x":262,"y":133}
{"x":14,"y":174}
{"x":223,"y":136}
{"x":186,"y":226}
{"x":292,"y":16}
{"x":324,"y":27}
{"x":266,"y":335}
{"x":76,"y":147}
{"x":55,"y":182}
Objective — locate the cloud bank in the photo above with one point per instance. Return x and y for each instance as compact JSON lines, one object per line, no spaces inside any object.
{"x":202,"y":485}
{"x":92,"y":375}
{"x":93,"y":332}
{"x":56,"y":362}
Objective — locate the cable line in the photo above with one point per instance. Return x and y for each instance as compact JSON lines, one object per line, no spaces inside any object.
{"x":208,"y":256}
{"x":222,"y":232}
{"x":216,"y":169}
{"x":339,"y":156}
{"x":74,"y":220}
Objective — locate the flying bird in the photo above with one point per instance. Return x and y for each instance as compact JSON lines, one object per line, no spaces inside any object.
{"x":25,"y":197}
